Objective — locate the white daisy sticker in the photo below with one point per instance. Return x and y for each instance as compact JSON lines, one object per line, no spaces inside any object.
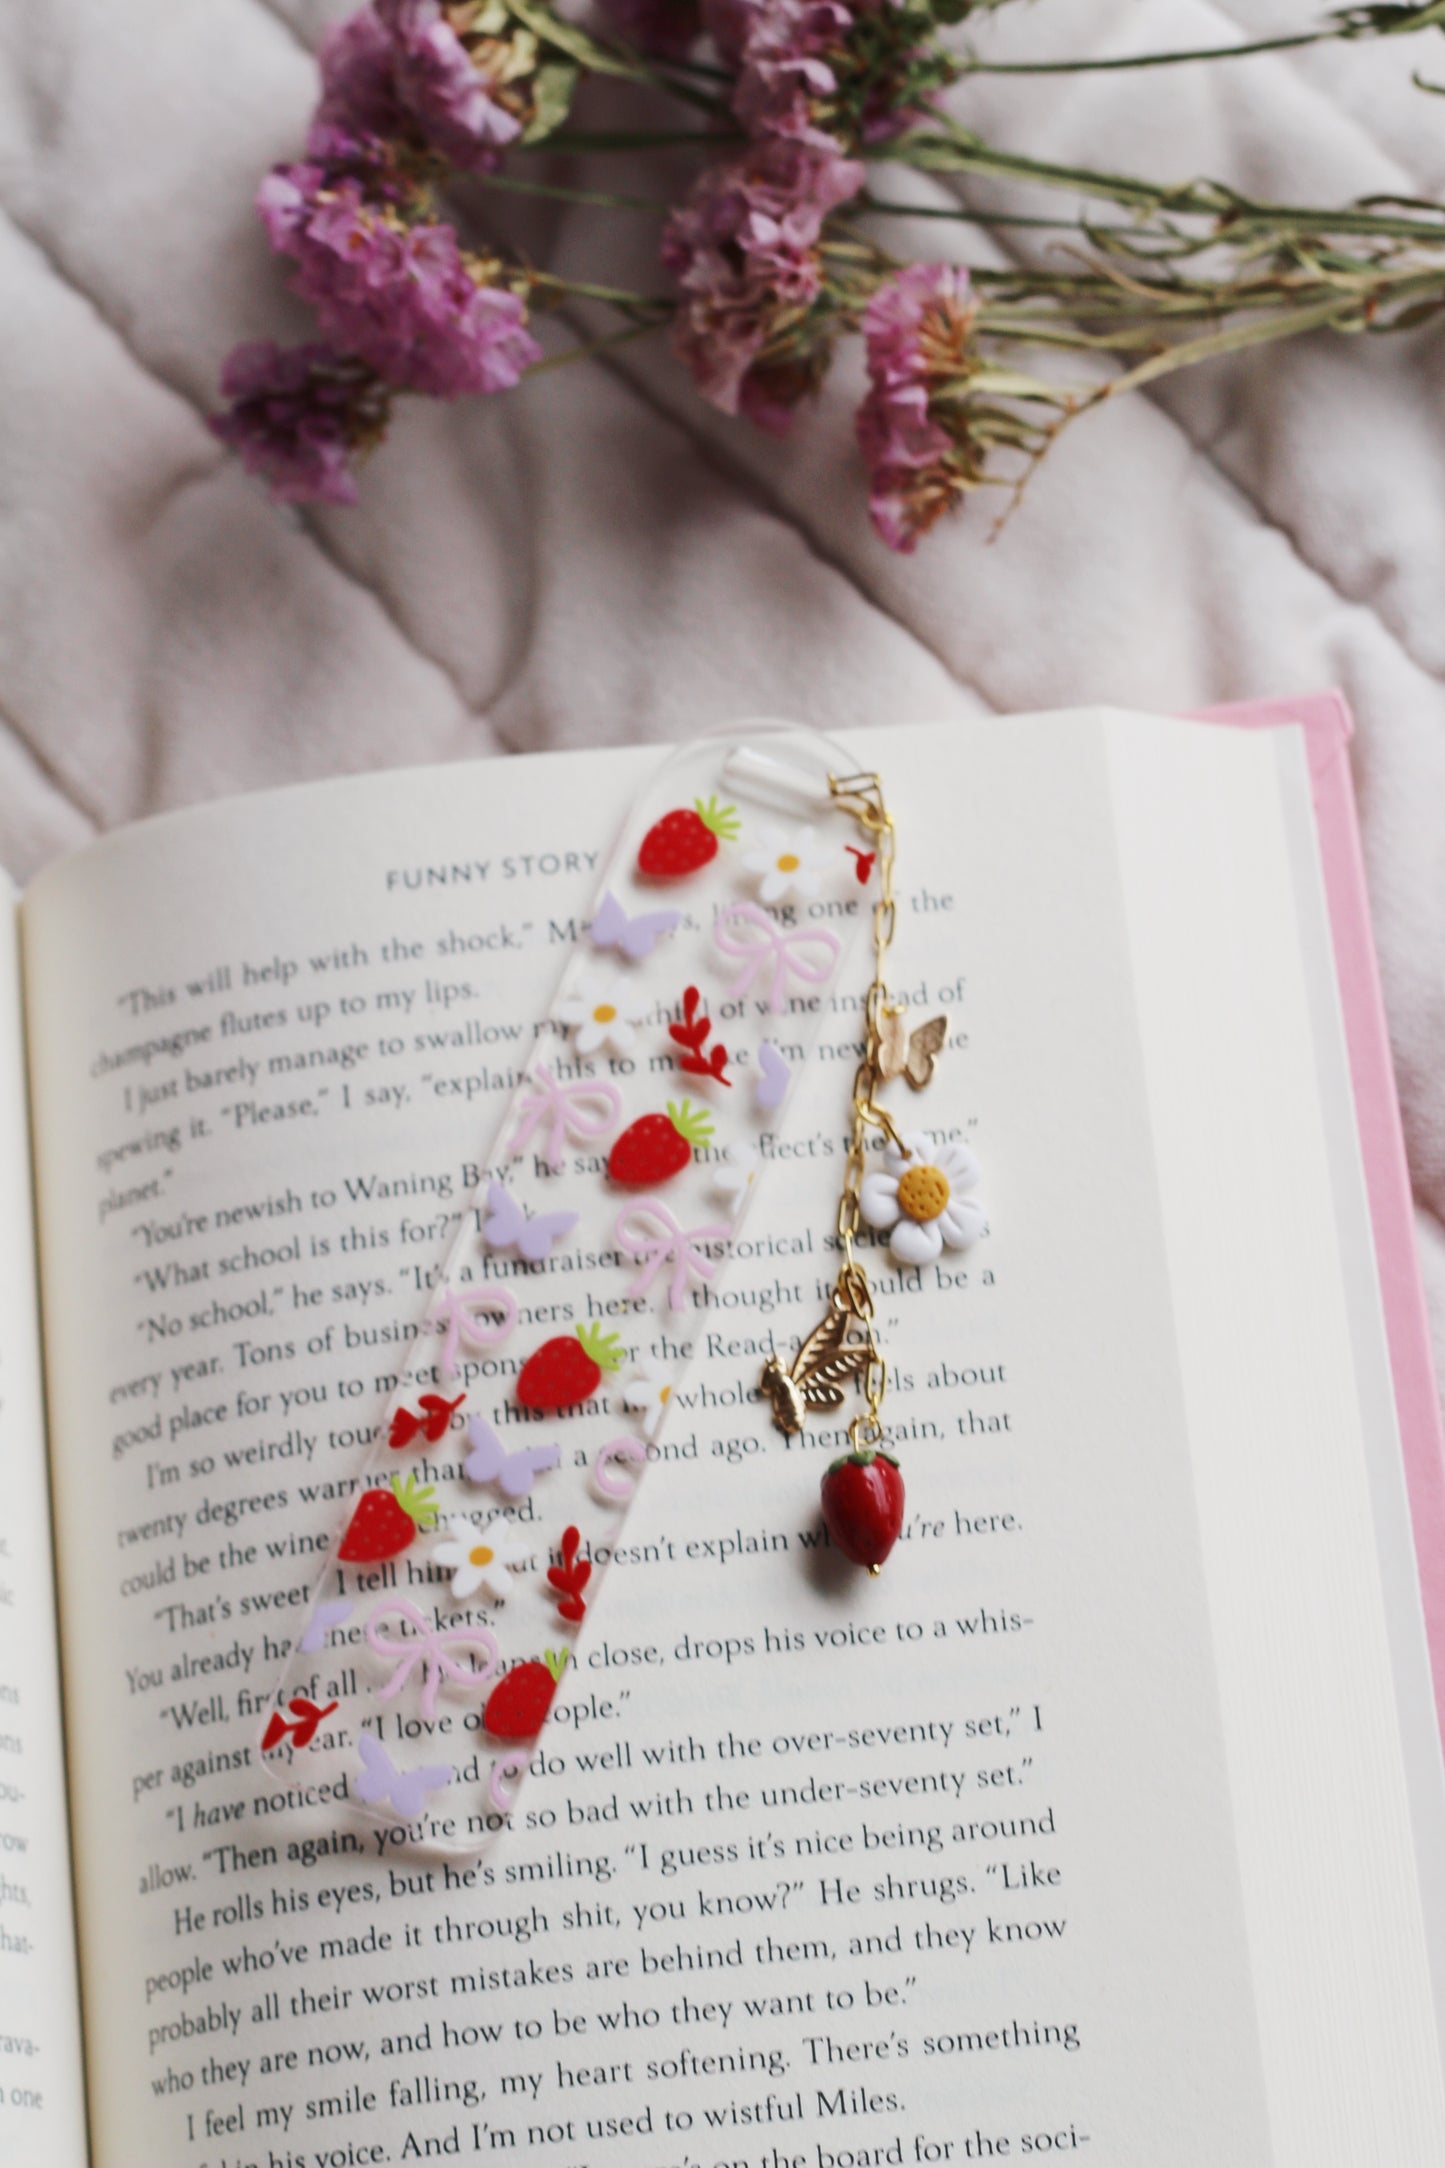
{"x":481,"y":1558}
{"x":734,"y":1182}
{"x":920,"y":1199}
{"x":789,"y":864}
{"x":647,"y":1394}
{"x":602,"y":1014}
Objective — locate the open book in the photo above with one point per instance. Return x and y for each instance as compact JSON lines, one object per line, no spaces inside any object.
{"x":1106,"y":1823}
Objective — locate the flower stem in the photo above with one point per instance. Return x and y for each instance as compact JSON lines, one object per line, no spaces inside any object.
{"x":1334,"y":309}
{"x":974,"y":66}
{"x":632,"y":139}
{"x":658,"y":204}
{"x":952,"y":149}
{"x":616,"y":294}
{"x":704,"y":68}
{"x":1347,"y":26}
{"x":624,"y":337}
{"x":961,"y":211}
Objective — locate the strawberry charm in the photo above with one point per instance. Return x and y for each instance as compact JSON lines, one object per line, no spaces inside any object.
{"x":863,"y":1506}
{"x":388,"y":1522}
{"x":517,"y":1705}
{"x":569,"y":1368}
{"x":686,"y":840}
{"x":656,"y":1147}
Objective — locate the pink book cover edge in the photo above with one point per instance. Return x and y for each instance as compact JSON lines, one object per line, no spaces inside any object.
{"x":1328,"y":728}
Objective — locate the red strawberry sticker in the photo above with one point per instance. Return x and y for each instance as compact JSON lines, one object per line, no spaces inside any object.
{"x":517,"y":1705}
{"x":569,"y":1368}
{"x":388,"y":1522}
{"x":571,"y":1577}
{"x":686,"y":840}
{"x":691,"y":1034}
{"x":431,"y":1425}
{"x":656,"y":1147}
{"x":863,"y":1506}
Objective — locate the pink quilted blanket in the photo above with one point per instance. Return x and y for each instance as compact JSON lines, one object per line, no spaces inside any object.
{"x":599,"y":557}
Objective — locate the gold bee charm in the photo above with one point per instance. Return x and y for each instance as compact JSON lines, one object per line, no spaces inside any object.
{"x":824,"y":1362}
{"x":913,"y":1055}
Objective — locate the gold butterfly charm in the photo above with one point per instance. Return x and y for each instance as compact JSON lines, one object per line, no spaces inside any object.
{"x":822,"y":1365}
{"x":913,"y":1055}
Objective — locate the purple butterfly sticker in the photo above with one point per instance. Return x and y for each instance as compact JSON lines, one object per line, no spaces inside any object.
{"x":776,"y":1076}
{"x":323,"y":1618}
{"x":634,"y":937}
{"x":513,"y":1473}
{"x":507,"y":1226}
{"x":405,"y":1789}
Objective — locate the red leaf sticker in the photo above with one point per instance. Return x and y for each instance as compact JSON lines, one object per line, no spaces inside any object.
{"x":691,"y":1034}
{"x":308,"y":1720}
{"x":571,"y":1577}
{"x":431,"y":1424}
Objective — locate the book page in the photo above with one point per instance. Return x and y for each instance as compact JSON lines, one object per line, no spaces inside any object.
{"x":815,"y":1869}
{"x":42,"y":2109}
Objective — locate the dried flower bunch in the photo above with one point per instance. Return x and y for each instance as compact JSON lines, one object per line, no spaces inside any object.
{"x":777,"y":250}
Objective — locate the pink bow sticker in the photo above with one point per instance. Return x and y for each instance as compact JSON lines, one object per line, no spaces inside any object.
{"x":648,"y":1233}
{"x":429,"y":1649}
{"x":459,"y":1314}
{"x":582,"y":1113}
{"x":808,"y":953}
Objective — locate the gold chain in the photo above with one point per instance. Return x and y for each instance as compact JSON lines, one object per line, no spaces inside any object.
{"x":862,"y":796}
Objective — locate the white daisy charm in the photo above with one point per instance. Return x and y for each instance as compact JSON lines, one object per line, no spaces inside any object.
{"x":919,"y":1199}
{"x":647,"y":1394}
{"x":481,"y":1557}
{"x":734,"y":1182}
{"x":602,"y":1015}
{"x":789,"y":864}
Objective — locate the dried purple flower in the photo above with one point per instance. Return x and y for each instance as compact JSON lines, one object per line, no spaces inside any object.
{"x":727,"y":23}
{"x":439,"y":83}
{"x":745,"y":249}
{"x":783,"y":75}
{"x":398,"y":69}
{"x":913,"y":424}
{"x":667,"y":27}
{"x":834,"y":73}
{"x":358,"y":89}
{"x":404,"y":298}
{"x":298,"y":415}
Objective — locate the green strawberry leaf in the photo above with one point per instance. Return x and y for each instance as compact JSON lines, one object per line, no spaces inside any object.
{"x":415,"y":1499}
{"x":721,"y":819}
{"x":693,"y":1124}
{"x":556,"y":1662}
{"x":605,"y":1349}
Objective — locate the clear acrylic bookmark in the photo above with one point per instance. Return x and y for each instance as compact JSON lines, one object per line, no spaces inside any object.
{"x":474,"y":1553}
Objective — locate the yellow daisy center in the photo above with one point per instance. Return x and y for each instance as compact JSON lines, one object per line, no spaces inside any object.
{"x":481,"y":1554}
{"x":604,"y":1013}
{"x":664,"y":1394}
{"x":789,"y":862}
{"x":923,"y":1193}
